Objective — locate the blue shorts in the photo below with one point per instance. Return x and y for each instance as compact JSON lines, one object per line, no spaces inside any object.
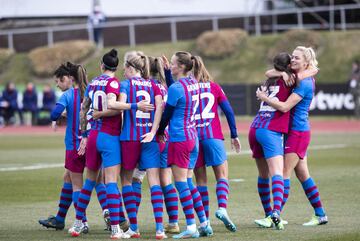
{"x":150,"y":155}
{"x":271,"y":142}
{"x":194,"y":155}
{"x":109,"y":148}
{"x":164,"y":154}
{"x":211,"y":153}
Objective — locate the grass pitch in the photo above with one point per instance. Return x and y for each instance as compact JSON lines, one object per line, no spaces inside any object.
{"x":27,"y":195}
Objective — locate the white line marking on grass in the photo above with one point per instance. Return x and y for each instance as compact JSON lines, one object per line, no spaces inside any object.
{"x":33,"y":167}
{"x":231,"y":153}
{"x":237,"y":180}
{"x":316,"y":147}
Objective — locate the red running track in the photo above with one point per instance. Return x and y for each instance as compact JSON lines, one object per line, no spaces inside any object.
{"x":317,"y":126}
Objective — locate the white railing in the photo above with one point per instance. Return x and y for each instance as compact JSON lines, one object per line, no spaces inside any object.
{"x":258,"y":27}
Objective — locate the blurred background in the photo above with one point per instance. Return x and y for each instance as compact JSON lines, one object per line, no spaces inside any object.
{"x":236,"y":38}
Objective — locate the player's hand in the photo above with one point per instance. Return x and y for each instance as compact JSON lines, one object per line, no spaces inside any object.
{"x":96,"y":114}
{"x":54,"y":125}
{"x":166,"y":62}
{"x":162,"y":138}
{"x":145,"y":106}
{"x":261,"y":93}
{"x":82,"y":147}
{"x":64,"y":114}
{"x":236,"y":145}
{"x":148,"y":137}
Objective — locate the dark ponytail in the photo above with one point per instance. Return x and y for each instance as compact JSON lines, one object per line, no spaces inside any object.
{"x":76,"y":71}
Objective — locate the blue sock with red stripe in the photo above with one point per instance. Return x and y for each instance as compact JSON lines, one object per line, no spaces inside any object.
{"x":222,"y":192}
{"x":130,"y":206}
{"x":264,"y":193}
{"x":186,"y":202}
{"x":157,"y":200}
{"x":198,"y":206}
{"x":171,"y":202}
{"x":121,"y":209}
{"x":84,"y":199}
{"x":75,"y":198}
{"x":101,"y":195}
{"x":64,"y":202}
{"x":113,"y":199}
{"x":203,"y":190}
{"x":277,"y":183}
{"x":313,"y":196}
{"x":286,"y":192}
{"x":137,"y":192}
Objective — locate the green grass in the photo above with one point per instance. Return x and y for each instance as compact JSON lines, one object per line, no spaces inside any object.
{"x":28,"y":195}
{"x":246,"y":65}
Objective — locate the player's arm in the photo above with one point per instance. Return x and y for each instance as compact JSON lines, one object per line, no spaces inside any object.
{"x":165,"y":118}
{"x":122,"y":105}
{"x":230,"y":117}
{"x":168,"y":76}
{"x":57,"y":112}
{"x":158,"y":112}
{"x":55,"y":115}
{"x":307,"y":73}
{"x":106,"y":113}
{"x":272,"y":73}
{"x":85,"y":106}
{"x":286,"y":106}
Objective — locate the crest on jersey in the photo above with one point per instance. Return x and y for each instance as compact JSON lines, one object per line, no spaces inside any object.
{"x":114,"y":84}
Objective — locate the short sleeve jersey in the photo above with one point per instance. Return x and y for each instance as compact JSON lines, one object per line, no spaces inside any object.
{"x":300,"y":113}
{"x":270,"y":118}
{"x":184,"y":96}
{"x":136,"y":122}
{"x":207,"y":117}
{"x":97,"y":91}
{"x":70,"y":99}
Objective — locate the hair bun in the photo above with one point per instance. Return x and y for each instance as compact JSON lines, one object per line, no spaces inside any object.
{"x":113,"y":53}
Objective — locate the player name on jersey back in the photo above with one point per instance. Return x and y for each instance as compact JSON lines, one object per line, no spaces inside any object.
{"x":204,"y":85}
{"x":97,"y":82}
{"x":193,"y":87}
{"x":140,"y":83}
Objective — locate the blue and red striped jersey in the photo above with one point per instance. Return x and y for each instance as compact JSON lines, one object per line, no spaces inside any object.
{"x":136,"y":122}
{"x":207,"y":117}
{"x":270,"y":118}
{"x":70,"y":99}
{"x":184,"y":96}
{"x":97,"y":91}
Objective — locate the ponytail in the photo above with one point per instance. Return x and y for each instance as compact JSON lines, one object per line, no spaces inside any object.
{"x":200,"y":72}
{"x":76,"y":71}
{"x":141,"y":64}
{"x":157,"y":69}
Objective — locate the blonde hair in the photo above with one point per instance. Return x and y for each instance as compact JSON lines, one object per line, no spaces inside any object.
{"x":141,"y":64}
{"x":130,"y":54}
{"x":201,"y":74}
{"x":309,"y":56}
{"x":157,"y":69}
